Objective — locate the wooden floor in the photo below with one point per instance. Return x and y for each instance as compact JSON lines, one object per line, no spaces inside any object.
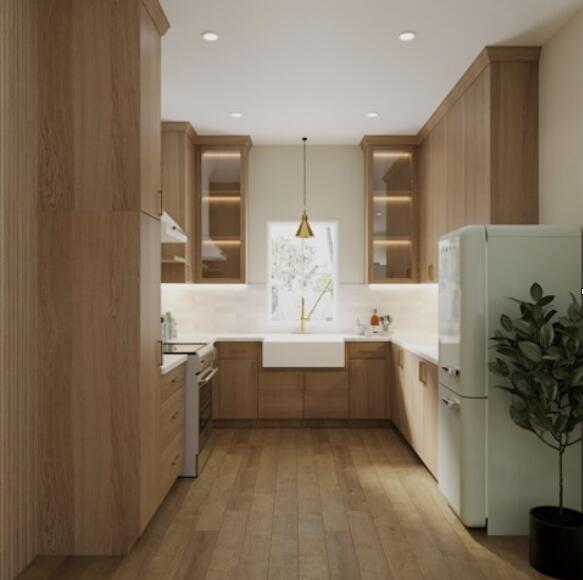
{"x":304,"y":503}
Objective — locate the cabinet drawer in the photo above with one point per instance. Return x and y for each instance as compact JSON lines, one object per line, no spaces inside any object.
{"x":367,"y":350}
{"x":172,"y":382}
{"x":238,"y":350}
{"x":171,"y":462}
{"x":172,"y":418}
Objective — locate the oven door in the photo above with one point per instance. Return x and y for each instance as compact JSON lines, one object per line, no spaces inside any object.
{"x":205,"y":384}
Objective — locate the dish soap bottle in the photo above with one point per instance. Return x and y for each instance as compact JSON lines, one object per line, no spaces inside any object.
{"x":375,"y":321}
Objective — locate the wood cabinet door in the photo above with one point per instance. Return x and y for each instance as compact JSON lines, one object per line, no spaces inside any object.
{"x":430,"y":411}
{"x":368,"y":386}
{"x":150,"y":116}
{"x":150,"y":360}
{"x":414,"y":402}
{"x":280,"y":395}
{"x":396,"y":387}
{"x":325,"y":394}
{"x":238,"y":389}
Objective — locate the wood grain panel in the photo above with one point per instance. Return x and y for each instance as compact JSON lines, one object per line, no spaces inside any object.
{"x":514,"y":143}
{"x":325,"y":394}
{"x":367,"y":350}
{"x":237,"y":381}
{"x":368,"y":389}
{"x":280,"y":394}
{"x":19,"y":411}
{"x":239,"y":350}
{"x":454,"y":167}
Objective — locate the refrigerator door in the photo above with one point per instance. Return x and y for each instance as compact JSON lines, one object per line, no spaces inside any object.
{"x":461,"y":455}
{"x":462,"y":311}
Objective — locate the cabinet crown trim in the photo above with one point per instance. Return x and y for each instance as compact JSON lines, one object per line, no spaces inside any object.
{"x":488,"y":55}
{"x":157,"y":15}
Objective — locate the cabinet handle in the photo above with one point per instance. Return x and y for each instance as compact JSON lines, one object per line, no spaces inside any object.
{"x":421,"y":372}
{"x":400,"y":358}
{"x":451,"y":371}
{"x":450,"y":404}
{"x":161,"y":193}
{"x":175,"y":416}
{"x":176,"y":460}
{"x":161,"y":353}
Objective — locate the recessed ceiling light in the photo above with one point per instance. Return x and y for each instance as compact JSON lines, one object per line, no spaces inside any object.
{"x":210,"y":36}
{"x":236,"y":115}
{"x":372,"y":115}
{"x":407,"y":35}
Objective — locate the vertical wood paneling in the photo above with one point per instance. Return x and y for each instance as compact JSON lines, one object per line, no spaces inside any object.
{"x":18,"y":286}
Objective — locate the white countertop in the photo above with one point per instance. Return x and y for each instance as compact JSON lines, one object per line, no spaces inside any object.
{"x":171,"y":361}
{"x":422,"y":345}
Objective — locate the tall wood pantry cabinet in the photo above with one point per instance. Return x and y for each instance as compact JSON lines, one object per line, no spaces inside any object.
{"x":99,"y":245}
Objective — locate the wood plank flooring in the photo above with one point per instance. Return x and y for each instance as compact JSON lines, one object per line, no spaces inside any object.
{"x":304,"y":504}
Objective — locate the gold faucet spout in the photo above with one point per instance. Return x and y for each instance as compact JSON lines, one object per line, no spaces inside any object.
{"x":303,"y":317}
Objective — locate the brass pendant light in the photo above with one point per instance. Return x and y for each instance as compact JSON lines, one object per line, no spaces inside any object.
{"x":304,"y":231}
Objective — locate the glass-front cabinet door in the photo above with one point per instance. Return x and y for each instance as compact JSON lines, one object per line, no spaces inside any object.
{"x":222,"y":190}
{"x":391,"y":223}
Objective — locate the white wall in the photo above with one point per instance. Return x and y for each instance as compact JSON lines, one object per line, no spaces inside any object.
{"x":561,"y":125}
{"x":335,"y":192}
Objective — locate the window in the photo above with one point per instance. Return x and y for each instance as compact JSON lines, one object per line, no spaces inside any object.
{"x":302,"y":268}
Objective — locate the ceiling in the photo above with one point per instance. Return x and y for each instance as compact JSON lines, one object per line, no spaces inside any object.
{"x":316,"y":67}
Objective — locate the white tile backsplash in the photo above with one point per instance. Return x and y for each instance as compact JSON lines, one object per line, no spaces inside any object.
{"x":202,"y":309}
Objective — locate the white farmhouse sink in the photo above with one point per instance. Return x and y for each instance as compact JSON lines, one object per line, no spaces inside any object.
{"x":303,"y":350}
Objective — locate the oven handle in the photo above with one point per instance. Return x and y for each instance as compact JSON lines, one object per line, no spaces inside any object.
{"x":204,"y":379}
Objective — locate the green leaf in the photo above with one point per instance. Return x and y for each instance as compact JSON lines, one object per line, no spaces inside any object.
{"x":523,"y":327}
{"x":561,"y":423}
{"x":506,"y":323}
{"x":578,"y":376}
{"x":530,"y":350}
{"x":547,"y":335}
{"x":536,"y":292}
{"x":499,"y":367}
{"x":545,"y":300}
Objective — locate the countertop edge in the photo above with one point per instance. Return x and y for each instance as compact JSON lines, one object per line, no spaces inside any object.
{"x":172,"y":361}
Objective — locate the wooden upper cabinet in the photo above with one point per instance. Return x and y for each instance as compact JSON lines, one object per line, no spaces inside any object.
{"x":391,"y":212}
{"x":479,"y":151}
{"x":150,"y":110}
{"x":222,"y":168}
{"x":178,"y":199}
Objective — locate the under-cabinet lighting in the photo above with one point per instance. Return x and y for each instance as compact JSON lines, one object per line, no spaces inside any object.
{"x":224,"y":198}
{"x":221,"y":155}
{"x":223,"y":242}
{"x":392,"y":242}
{"x":399,"y":198}
{"x":390,"y":154}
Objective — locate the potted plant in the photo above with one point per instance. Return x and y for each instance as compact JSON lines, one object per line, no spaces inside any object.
{"x":543,"y":362}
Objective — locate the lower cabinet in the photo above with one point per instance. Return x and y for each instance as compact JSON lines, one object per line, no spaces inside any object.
{"x":414,"y":402}
{"x":171,"y":428}
{"x":237,"y":380}
{"x":368,"y":388}
{"x":248,"y":391}
{"x":280,"y":394}
{"x":326,"y":394}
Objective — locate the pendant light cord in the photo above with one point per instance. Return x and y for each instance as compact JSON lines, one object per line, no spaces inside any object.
{"x":305,"y":139}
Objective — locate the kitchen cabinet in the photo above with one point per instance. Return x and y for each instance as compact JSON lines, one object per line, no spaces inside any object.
{"x":368,"y":380}
{"x":150,"y":52}
{"x":325,"y":394}
{"x":99,"y":243}
{"x":178,"y":199}
{"x":414,"y":402}
{"x":236,"y":392}
{"x":237,"y":380}
{"x":391,"y":211}
{"x":221,"y":198}
{"x":280,"y":394}
{"x":478,"y":153}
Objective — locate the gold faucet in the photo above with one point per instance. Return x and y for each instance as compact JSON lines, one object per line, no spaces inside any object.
{"x":303,"y":317}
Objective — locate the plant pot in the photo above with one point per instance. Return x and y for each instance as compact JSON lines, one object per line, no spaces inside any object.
{"x":556,"y":542}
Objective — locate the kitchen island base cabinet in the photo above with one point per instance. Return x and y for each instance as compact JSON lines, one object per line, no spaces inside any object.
{"x":280,"y":395}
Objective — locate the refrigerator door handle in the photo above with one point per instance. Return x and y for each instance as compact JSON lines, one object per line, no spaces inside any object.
{"x":450,"y":404}
{"x":451,"y":371}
